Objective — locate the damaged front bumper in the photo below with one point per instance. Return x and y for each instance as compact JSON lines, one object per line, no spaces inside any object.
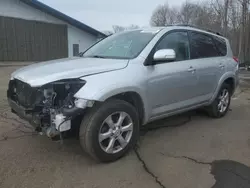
{"x":22,"y":113}
{"x":51,"y":108}
{"x":59,"y":122}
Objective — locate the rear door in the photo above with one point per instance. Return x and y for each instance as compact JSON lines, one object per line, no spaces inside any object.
{"x":221,"y":46}
{"x":208,"y":62}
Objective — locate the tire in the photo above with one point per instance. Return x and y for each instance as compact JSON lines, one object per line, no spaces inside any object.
{"x":95,"y":124}
{"x":213,"y":109}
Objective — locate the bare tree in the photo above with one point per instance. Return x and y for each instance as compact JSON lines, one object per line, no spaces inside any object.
{"x":242,"y":42}
{"x":159,"y":15}
{"x":164,"y":15}
{"x":118,"y":28}
{"x":187,"y":13}
{"x":234,"y":17}
{"x":132,"y":27}
{"x":225,"y":22}
{"x":230,"y":17}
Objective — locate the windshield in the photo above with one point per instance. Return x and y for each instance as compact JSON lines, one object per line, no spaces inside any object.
{"x":125,"y":45}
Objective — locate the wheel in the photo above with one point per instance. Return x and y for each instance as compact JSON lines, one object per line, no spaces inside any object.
{"x":221,"y":104}
{"x":109,"y":130}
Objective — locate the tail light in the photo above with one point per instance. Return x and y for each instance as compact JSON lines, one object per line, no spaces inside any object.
{"x":236,"y":59}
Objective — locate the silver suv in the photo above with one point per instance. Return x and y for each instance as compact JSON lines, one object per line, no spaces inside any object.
{"x":124,"y":82}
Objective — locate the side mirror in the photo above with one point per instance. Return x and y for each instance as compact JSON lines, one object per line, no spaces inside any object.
{"x":164,"y":55}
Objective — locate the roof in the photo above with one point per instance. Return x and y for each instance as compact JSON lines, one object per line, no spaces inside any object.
{"x":55,"y":13}
{"x":184,"y":26}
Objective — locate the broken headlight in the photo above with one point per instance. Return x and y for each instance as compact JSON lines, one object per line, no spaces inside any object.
{"x":68,"y":85}
{"x":61,"y":92}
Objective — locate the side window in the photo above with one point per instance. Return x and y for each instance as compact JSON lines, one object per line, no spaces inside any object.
{"x":221,"y":45}
{"x":178,"y":41}
{"x":202,"y":46}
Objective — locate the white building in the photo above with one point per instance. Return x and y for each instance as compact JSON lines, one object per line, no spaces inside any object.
{"x":33,"y":31}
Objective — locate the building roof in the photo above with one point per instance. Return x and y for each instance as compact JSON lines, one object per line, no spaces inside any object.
{"x":55,"y":13}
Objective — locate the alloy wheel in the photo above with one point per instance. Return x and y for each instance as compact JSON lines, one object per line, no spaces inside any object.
{"x":115,"y":132}
{"x":223,"y":100}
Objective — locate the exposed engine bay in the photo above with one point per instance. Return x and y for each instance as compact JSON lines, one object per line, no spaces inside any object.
{"x":49,"y":108}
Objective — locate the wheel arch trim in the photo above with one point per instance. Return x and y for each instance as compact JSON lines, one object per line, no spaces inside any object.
{"x":226,"y":76}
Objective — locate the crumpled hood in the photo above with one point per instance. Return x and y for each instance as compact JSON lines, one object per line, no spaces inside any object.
{"x":42,"y":73}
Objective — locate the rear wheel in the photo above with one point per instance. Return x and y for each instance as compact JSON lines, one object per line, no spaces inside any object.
{"x":109,"y":130}
{"x":220,"y":105}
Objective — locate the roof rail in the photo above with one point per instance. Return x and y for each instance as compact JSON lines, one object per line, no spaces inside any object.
{"x":217,"y":33}
{"x":188,"y":25}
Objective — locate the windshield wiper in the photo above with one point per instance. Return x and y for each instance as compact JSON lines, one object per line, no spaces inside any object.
{"x":97,"y":56}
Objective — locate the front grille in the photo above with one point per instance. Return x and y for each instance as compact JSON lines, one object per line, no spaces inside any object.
{"x":22,"y":93}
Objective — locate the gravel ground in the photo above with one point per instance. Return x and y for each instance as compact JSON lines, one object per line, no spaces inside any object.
{"x":188,"y":151}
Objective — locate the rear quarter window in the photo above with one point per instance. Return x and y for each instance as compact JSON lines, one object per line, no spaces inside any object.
{"x":221,"y":45}
{"x":202,"y":46}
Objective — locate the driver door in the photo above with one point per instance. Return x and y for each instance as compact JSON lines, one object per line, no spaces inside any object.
{"x":172,"y":85}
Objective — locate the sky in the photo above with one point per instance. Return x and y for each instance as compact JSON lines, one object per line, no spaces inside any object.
{"x":103,"y":14}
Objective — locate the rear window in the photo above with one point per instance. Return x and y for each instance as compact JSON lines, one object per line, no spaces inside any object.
{"x":221,"y":45}
{"x":202,"y":46}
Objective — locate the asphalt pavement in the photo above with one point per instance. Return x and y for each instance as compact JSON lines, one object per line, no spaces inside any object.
{"x":188,"y":151}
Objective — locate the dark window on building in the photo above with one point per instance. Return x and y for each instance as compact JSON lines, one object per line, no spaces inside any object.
{"x":75,"y":49}
{"x":221,"y":45}
{"x":202,"y":46}
{"x":178,"y":41}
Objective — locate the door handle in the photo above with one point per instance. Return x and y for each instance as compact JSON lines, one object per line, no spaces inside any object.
{"x":191,"y":69}
{"x":221,"y":65}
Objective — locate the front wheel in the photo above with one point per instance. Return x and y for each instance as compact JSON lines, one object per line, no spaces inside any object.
{"x":109,"y":130}
{"x":220,"y":105}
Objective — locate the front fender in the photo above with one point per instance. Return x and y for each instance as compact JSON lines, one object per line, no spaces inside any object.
{"x":113,"y":90}
{"x":103,"y":92}
{"x":100,"y":88}
{"x":222,"y":80}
